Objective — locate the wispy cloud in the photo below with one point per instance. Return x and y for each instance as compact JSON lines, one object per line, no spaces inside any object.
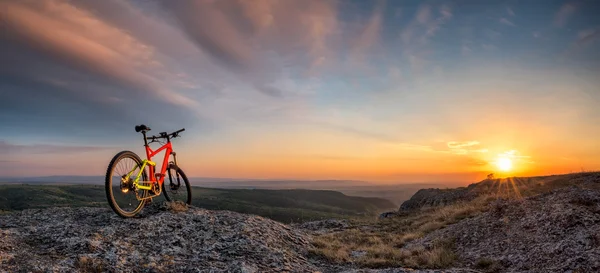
{"x":370,"y":34}
{"x":465,"y":147}
{"x":507,"y":22}
{"x":564,"y":13}
{"x":584,"y":39}
{"x":451,"y":147}
{"x":510,"y":11}
{"x":515,"y":155}
{"x":417,"y":35}
{"x":588,"y":36}
{"x":457,"y":144}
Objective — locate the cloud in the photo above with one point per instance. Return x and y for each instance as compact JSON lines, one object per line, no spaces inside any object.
{"x":516,"y":155}
{"x":80,"y":83}
{"x":452,"y":147}
{"x":416,"y":36}
{"x":506,"y":22}
{"x":255,"y":37}
{"x":199,"y":18}
{"x":457,"y":144}
{"x":465,"y":50}
{"x":370,"y":34}
{"x":564,"y":13}
{"x":510,"y":11}
{"x":141,"y":59}
{"x":423,"y":14}
{"x":584,"y":39}
{"x":106,"y":51}
{"x":465,"y":147}
{"x":587,"y":36}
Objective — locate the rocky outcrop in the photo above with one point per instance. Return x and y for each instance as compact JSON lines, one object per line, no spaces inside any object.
{"x":557,"y":231}
{"x":162,"y":239}
{"x":434,"y":197}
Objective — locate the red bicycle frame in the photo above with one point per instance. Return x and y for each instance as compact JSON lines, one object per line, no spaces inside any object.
{"x":150,"y":153}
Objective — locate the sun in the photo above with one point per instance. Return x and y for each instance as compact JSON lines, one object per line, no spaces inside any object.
{"x":504,"y":164}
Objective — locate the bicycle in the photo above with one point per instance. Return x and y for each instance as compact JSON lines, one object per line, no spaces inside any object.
{"x":132,"y":186}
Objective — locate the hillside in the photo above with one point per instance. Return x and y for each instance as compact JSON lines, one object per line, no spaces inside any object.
{"x":557,"y":231}
{"x":512,"y":187}
{"x":282,"y":205}
{"x":551,"y":224}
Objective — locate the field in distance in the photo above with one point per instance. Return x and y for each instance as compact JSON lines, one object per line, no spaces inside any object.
{"x":286,"y":206}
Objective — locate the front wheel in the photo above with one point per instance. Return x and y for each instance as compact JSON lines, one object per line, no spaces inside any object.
{"x":123,"y":196}
{"x":177,"y":187}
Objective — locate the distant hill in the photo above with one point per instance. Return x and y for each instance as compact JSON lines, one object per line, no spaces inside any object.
{"x":208,"y":182}
{"x":397,"y":193}
{"x":509,"y":187}
{"x":281,"y":205}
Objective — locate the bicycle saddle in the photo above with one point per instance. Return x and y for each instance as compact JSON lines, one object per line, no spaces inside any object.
{"x":139,"y":128}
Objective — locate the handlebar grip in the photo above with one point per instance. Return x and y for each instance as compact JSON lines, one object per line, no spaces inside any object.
{"x":179,"y":131}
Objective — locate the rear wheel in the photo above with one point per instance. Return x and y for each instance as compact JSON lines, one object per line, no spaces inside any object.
{"x":177,"y":187}
{"x":122,"y":195}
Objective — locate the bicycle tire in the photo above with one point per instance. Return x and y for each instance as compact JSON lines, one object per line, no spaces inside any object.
{"x":167,"y":190}
{"x":110,"y":195}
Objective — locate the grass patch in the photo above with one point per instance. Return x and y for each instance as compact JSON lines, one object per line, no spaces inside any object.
{"x":89,"y":264}
{"x":487,"y":265}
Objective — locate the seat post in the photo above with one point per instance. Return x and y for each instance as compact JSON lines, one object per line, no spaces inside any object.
{"x":145,"y":140}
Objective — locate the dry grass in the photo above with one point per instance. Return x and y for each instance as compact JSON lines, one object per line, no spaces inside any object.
{"x":89,"y":264}
{"x":383,"y":243}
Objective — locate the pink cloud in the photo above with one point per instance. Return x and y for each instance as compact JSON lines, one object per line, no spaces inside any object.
{"x":255,"y":37}
{"x":106,"y":51}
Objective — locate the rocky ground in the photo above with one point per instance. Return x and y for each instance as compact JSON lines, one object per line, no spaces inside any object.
{"x":161,"y":240}
{"x":552,"y":232}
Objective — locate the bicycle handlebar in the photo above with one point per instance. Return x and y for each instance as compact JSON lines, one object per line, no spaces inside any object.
{"x":165,"y":135}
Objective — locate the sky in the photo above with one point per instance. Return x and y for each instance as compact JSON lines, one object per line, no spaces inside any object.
{"x":384,"y":91}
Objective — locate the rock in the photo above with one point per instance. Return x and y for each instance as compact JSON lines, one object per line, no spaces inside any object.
{"x":433,"y":197}
{"x":358,"y":253}
{"x":388,"y":214}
